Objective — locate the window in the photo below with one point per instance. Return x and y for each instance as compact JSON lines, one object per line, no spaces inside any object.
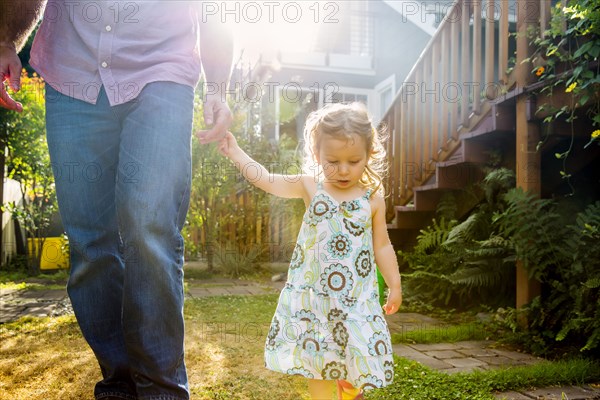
{"x":353,"y":33}
{"x":341,"y":97}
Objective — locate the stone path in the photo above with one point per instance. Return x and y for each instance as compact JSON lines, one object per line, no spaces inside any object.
{"x":463,"y":356}
{"x":445,"y":357}
{"x":38,"y":303}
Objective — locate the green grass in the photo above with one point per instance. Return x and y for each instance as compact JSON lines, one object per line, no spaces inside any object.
{"x":20,"y":280}
{"x":13,"y":285}
{"x":416,"y":382}
{"x":232,"y":309}
{"x":46,"y":358}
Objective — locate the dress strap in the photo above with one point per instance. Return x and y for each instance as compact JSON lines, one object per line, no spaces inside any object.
{"x":367,"y":194}
{"x":320,"y":185}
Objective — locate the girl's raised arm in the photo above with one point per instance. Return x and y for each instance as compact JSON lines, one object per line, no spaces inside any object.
{"x":287,"y":186}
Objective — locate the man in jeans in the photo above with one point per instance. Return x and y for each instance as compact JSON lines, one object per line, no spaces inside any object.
{"x":119,"y":102}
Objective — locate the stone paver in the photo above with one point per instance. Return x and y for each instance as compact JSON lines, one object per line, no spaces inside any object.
{"x":515,"y":355}
{"x":463,"y":356}
{"x":431,"y":362}
{"x":435,"y":346}
{"x":465,"y":362}
{"x":40,"y":303}
{"x":553,"y":393}
{"x":512,"y":396}
{"x":443,"y":354}
{"x":478,"y":352}
{"x":570,"y":393}
{"x":406,"y":351}
{"x":499,"y":361}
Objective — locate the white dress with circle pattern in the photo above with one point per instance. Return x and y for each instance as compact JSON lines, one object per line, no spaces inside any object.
{"x":329,"y":323}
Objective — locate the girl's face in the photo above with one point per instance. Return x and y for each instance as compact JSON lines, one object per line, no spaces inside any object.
{"x":343,"y":160}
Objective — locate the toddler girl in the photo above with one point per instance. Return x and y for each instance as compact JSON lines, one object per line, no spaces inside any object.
{"x":328,"y":325}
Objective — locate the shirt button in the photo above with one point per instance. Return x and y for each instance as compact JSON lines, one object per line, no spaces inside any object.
{"x":108,"y":28}
{"x":104,"y":64}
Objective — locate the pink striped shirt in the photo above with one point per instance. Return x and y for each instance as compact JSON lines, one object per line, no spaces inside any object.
{"x":121,"y":45}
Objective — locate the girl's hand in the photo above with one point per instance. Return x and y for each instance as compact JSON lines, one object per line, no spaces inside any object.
{"x":394,"y":301}
{"x":228,"y":145}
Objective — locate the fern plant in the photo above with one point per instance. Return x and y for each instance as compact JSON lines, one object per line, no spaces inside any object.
{"x":565,"y":258}
{"x":472,"y":262}
{"x":536,"y":230}
{"x":463,"y":263}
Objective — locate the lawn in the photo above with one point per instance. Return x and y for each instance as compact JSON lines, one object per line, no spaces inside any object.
{"x":47,"y":359}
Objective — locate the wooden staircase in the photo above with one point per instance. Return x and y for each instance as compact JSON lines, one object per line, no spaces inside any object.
{"x":463,"y":101}
{"x":445,"y":120}
{"x":463,"y":167}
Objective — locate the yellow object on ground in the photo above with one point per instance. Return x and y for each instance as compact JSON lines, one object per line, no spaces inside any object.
{"x":52,"y":254}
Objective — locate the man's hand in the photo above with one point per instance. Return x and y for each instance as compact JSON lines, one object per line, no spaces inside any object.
{"x":10,"y":70}
{"x":218,"y":115}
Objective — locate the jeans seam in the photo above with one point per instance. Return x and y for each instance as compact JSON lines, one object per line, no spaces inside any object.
{"x":115,"y":394}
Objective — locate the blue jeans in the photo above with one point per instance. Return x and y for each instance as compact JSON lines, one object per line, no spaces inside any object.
{"x":123,"y":177}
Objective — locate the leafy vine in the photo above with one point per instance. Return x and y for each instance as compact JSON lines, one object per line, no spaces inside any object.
{"x":566,"y":58}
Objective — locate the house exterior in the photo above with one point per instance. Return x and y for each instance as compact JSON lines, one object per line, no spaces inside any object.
{"x":363,"y":53}
{"x":359,"y":51}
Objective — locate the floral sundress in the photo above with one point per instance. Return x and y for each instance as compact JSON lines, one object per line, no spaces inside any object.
{"x":329,"y":323}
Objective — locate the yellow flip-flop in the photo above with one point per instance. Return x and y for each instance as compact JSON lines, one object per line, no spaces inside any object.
{"x":348,"y":392}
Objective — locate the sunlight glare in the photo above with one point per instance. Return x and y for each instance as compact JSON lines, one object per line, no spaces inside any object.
{"x":270,"y":27}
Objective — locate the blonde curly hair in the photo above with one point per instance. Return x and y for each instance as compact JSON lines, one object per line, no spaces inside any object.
{"x":341,"y":120}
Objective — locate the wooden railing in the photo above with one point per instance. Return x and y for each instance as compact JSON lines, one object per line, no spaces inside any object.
{"x":449,"y":90}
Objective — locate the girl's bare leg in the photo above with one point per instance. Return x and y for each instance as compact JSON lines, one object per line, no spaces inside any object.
{"x":320,"y":389}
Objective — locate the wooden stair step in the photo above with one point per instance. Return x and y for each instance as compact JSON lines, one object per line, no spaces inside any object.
{"x":408,"y":217}
{"x":461,"y":168}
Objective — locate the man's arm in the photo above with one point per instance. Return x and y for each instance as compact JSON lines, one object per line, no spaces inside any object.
{"x":216,"y":50}
{"x":17,"y":20}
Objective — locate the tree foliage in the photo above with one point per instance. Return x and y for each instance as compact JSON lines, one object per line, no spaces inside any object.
{"x":226,"y":209}
{"x":23,"y":135}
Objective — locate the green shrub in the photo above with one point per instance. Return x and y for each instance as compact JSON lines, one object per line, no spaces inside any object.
{"x":472,"y":263}
{"x":566,"y":259}
{"x":460,"y":264}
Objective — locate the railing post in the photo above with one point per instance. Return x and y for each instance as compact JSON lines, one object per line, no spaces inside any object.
{"x":410,"y":141}
{"x":426,"y":91}
{"x":437,"y":98}
{"x":545,"y":14}
{"x":490,"y":30}
{"x":454,"y":64}
{"x":419,"y":131}
{"x":397,"y":149}
{"x":446,"y":134}
{"x":465,"y":64}
{"x":527,"y":135}
{"x":403,"y":119}
{"x":503,"y":42}
{"x":477,"y":55}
